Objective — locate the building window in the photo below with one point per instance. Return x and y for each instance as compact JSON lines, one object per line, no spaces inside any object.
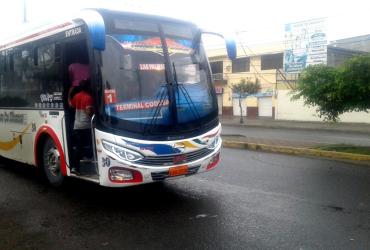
{"x":274,"y":61}
{"x":217,"y":67}
{"x":241,"y":65}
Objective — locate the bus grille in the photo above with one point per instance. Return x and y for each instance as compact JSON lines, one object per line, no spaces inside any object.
{"x":160,"y":176}
{"x":168,"y":160}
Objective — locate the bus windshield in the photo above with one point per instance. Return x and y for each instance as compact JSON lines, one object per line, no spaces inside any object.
{"x":136,"y":82}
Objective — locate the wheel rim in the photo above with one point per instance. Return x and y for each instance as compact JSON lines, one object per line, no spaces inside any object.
{"x":53,"y":161}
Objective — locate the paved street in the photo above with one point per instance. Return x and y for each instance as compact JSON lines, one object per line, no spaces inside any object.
{"x":252,"y":200}
{"x":300,"y":135}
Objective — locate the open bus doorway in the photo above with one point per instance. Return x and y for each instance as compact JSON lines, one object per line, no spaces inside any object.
{"x":77,"y":69}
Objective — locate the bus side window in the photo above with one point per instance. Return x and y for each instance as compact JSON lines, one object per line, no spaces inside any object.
{"x":45,"y":56}
{"x":49,"y":66}
{"x":13,"y":81}
{"x":2,"y":71}
{"x":10,"y":63}
{"x":2,"y":63}
{"x":34,"y":54}
{"x":58,"y":53}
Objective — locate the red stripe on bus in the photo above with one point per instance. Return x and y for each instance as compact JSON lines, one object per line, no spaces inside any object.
{"x":53,"y":135}
{"x":36,"y":34}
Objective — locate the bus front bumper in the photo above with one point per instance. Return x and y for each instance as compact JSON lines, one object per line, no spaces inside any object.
{"x":114,"y":173}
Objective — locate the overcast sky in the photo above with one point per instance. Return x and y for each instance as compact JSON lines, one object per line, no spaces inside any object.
{"x":259,"y":21}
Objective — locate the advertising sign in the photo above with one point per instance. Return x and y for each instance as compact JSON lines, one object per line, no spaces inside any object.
{"x":305,"y":44}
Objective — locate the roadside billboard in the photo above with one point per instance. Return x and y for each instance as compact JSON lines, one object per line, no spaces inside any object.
{"x":305,"y":44}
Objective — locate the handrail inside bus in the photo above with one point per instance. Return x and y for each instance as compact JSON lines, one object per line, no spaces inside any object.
{"x":92,"y":122}
{"x":62,"y":121}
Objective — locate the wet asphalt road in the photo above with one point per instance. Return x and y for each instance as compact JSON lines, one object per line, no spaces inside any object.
{"x":251,"y":201}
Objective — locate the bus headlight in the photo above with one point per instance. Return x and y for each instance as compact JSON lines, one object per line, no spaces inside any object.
{"x":215,"y":142}
{"x":121,"y":152}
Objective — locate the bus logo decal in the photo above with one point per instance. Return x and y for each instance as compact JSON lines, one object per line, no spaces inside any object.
{"x":8,"y":145}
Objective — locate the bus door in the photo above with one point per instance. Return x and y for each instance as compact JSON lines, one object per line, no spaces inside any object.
{"x":77,"y":69}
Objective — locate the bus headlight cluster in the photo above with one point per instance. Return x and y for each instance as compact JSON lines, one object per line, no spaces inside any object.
{"x":123,"y":153}
{"x":215,"y":142}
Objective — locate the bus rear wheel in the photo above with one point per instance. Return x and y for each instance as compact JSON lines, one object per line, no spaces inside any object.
{"x":51,"y":163}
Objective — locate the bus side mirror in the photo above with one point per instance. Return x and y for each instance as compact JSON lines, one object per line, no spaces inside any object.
{"x":230,"y":43}
{"x":231,"y":49}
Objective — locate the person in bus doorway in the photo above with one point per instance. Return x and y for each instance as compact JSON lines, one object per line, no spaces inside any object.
{"x":77,"y":72}
{"x":83,"y":104}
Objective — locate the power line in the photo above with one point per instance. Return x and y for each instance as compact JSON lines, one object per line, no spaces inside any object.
{"x":24,"y":11}
{"x":256,"y":71}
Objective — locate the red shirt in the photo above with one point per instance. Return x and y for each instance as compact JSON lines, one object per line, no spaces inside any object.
{"x":82,"y":101}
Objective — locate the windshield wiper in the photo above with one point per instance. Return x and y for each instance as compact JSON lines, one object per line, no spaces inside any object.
{"x":153,"y":121}
{"x":185,"y":92}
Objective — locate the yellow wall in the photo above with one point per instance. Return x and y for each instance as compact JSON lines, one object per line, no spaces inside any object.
{"x":287,"y":109}
{"x":267,"y":78}
{"x":227,"y":97}
{"x":252,"y":101}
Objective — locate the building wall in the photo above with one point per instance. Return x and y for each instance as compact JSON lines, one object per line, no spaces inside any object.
{"x":236,"y":107}
{"x":337,"y":56}
{"x":267,"y":80}
{"x":249,"y":106}
{"x":252,"y":107}
{"x":283,"y":107}
{"x":359,"y":43}
{"x":287,"y":109}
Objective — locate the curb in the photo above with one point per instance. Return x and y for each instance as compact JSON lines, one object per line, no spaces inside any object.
{"x":358,"y":158}
{"x":278,"y":126}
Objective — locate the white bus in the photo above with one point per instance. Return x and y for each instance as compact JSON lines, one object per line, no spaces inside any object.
{"x":156,"y":113}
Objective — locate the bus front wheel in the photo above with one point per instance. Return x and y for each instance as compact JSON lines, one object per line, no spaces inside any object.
{"x":51,"y":163}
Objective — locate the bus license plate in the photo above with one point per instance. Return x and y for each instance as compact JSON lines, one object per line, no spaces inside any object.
{"x":180,"y":170}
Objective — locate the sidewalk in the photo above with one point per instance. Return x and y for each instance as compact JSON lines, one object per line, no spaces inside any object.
{"x":271,"y":123}
{"x":289,"y":145}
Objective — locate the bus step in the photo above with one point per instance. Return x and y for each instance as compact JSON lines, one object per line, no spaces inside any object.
{"x":92,"y":178}
{"x":88,"y":161}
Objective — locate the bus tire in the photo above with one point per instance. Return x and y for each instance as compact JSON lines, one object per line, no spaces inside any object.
{"x":51,"y":163}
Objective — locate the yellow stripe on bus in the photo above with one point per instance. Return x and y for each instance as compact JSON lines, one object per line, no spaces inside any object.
{"x":8,"y":145}
{"x":188,"y":144}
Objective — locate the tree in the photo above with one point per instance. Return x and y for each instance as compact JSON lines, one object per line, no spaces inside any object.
{"x":336,"y":90}
{"x":245,"y":88}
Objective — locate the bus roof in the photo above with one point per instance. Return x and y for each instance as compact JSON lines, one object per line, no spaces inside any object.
{"x":107,"y":12}
{"x":93,"y":18}
{"x":35,"y":35}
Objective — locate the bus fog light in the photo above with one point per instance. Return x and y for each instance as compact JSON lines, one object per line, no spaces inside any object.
{"x":120,"y":175}
{"x":124,"y":175}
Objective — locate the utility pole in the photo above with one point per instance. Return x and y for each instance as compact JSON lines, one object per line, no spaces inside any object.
{"x":24,"y":11}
